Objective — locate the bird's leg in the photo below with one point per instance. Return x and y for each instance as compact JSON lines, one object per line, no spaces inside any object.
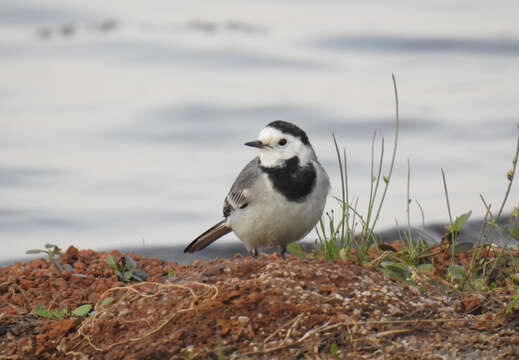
{"x":254,"y":253}
{"x":282,"y":250}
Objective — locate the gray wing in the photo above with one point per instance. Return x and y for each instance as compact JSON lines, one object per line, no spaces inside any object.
{"x":237,"y":197}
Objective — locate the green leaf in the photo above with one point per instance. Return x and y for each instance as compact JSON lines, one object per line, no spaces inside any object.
{"x":512,"y":303}
{"x":456,"y":272}
{"x":127,"y":275}
{"x":49,"y":314}
{"x":82,"y":310}
{"x":459,"y":222}
{"x":515,"y":277}
{"x":136,"y":277}
{"x":130,"y":263}
{"x":296,"y":250}
{"x":112,"y":262}
{"x":463,"y":247}
{"x":426,"y":267}
{"x":58,"y":313}
{"x":386,"y":179}
{"x":333,"y":349}
{"x":140,"y":275}
{"x":40,"y":311}
{"x":107,"y":301}
{"x":401,"y":271}
{"x":391,"y":274}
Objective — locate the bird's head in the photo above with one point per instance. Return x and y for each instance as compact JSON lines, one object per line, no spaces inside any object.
{"x":280,"y":141}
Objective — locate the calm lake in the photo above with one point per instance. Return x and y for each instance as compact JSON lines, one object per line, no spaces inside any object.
{"x":123,"y":123}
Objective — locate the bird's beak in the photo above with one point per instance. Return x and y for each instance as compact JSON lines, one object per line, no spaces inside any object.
{"x":256,"y":143}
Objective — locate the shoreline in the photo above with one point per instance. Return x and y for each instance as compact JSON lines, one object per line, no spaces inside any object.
{"x":432,"y":234}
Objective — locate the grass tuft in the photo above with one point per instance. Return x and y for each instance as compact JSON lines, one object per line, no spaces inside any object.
{"x":349,"y":235}
{"x":337,"y":238}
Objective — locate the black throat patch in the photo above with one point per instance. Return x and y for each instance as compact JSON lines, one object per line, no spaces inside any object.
{"x":293,"y":181}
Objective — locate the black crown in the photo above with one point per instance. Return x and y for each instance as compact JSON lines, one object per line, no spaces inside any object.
{"x":288,"y":128}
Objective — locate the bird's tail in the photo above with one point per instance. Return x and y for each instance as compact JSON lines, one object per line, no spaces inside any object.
{"x":207,"y":238}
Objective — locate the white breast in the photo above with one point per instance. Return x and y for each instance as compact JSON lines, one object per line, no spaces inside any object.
{"x":271,"y":220}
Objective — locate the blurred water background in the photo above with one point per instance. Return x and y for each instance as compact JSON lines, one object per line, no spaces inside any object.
{"x":122,"y":123}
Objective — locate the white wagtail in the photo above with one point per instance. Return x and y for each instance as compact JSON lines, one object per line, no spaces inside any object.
{"x":278,"y":197}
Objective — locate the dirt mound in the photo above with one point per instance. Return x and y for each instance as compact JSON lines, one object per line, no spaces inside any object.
{"x":243,"y":307}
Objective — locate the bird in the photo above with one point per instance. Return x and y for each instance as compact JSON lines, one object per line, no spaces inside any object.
{"x":277,"y":198}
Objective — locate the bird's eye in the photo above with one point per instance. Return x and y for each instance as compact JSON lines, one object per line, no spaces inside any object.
{"x":282,"y":142}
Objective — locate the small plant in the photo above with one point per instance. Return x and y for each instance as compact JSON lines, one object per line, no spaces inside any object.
{"x":338,"y":238}
{"x":415,"y":249}
{"x":515,"y":299}
{"x":350,"y":234}
{"x":171,"y":274}
{"x":126,"y":268}
{"x":512,"y":302}
{"x":454,"y":227}
{"x":483,"y":267}
{"x":56,"y":314}
{"x":51,"y":250}
{"x":395,"y":270}
{"x":456,"y":274}
{"x":333,"y":349}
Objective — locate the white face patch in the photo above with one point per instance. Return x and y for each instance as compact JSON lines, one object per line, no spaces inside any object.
{"x":281,"y":147}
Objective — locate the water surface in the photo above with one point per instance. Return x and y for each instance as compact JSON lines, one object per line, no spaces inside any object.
{"x":122,"y":124}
